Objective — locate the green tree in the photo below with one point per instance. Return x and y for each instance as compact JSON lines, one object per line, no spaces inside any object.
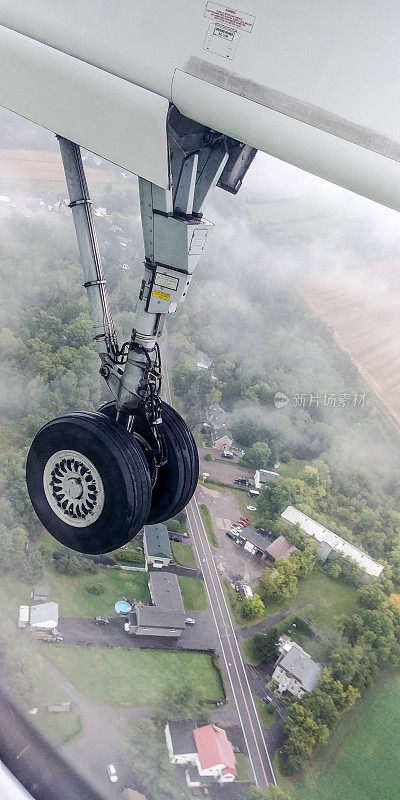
{"x":322,"y":707}
{"x":253,"y":606}
{"x":145,"y":753}
{"x":279,"y":583}
{"x":31,"y":568}
{"x":182,"y":701}
{"x":12,"y":547}
{"x":274,"y":498}
{"x":258,"y":456}
{"x":265,"y":645}
{"x":305,"y":560}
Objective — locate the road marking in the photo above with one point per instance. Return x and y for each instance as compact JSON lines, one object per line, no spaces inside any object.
{"x":234,"y":660}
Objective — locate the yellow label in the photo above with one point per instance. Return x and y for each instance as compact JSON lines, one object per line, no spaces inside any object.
{"x":161,"y":295}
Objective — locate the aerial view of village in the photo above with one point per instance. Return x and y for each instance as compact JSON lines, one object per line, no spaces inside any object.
{"x":248,"y":648}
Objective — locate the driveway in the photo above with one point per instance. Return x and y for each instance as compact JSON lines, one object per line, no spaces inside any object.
{"x":102,"y":739}
{"x":232,"y":561}
{"x":81,"y":631}
{"x":221,"y":468}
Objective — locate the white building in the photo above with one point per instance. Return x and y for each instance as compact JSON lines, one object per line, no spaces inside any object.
{"x":295,"y":671}
{"x":261,"y":476}
{"x":44,"y":616}
{"x":335,"y":542}
{"x":206,"y":752}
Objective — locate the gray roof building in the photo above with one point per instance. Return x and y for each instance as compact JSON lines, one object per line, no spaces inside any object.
{"x":156,"y":541}
{"x":182,"y":738}
{"x":299,"y":665}
{"x":258,"y":540}
{"x":165,"y":591}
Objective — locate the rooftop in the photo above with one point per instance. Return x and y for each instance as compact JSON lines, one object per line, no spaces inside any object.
{"x":258,"y":539}
{"x":280,"y":548}
{"x":299,"y":664}
{"x":153,"y":617}
{"x":157,"y":541}
{"x":165,"y":591}
{"x":182,"y":736}
{"x":214,"y":747}
{"x":43,"y":613}
{"x":322,"y":534}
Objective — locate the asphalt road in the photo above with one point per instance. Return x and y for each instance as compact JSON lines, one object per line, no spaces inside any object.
{"x":258,"y":755}
{"x":228,"y":645}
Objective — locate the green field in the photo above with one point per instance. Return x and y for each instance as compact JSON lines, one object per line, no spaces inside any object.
{"x":75,"y":601}
{"x":361,"y":759}
{"x":193,"y":594}
{"x":183,"y":554}
{"x":325,"y":599}
{"x":134,"y":677}
{"x":209,"y":527}
{"x":241,"y":767}
{"x":266,"y":712}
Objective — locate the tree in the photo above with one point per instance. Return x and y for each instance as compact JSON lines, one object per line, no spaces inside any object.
{"x":305,"y":560}
{"x":145,"y":753}
{"x":279,"y":583}
{"x":274,"y":498}
{"x":265,"y":645}
{"x":31,"y":569}
{"x":258,"y":456}
{"x":371,"y":596}
{"x":182,"y":701}
{"x":12,"y":547}
{"x":72,"y":563}
{"x":322,"y":707}
{"x":253,"y":607}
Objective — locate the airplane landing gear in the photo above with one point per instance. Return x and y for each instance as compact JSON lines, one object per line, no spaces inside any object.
{"x":95,"y":478}
{"x":176,"y":480}
{"x":89,"y":482}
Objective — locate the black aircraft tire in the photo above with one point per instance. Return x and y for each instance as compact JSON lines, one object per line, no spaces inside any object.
{"x":88,"y":482}
{"x":177,"y":479}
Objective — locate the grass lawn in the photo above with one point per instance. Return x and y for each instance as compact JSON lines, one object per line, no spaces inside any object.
{"x":361,"y":759}
{"x":58,"y":728}
{"x":266,"y":712}
{"x":241,"y":767}
{"x":134,"y":677}
{"x":324,"y":598}
{"x":183,"y":554}
{"x":294,"y":468}
{"x":75,"y":601}
{"x":248,"y":652}
{"x":207,"y":522}
{"x":193,"y":594}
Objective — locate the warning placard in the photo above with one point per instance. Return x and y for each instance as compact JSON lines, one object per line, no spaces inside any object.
{"x":230,"y":16}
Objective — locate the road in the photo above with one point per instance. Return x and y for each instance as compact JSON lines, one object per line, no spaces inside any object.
{"x":229,"y":648}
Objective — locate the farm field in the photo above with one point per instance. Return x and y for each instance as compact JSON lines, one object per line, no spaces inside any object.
{"x":363,"y":313}
{"x":361,"y":757}
{"x":33,"y":165}
{"x":134,"y":677}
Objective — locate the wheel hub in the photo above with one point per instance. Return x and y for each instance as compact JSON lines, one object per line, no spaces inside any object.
{"x":73,"y":488}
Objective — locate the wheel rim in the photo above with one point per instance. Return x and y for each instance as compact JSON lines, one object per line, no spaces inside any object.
{"x":73,"y":488}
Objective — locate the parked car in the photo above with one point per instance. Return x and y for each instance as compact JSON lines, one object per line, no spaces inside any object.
{"x":176,"y":539}
{"x":101,"y":621}
{"x":245,"y":520}
{"x":190,"y":621}
{"x":231,"y":534}
{"x":251,"y":508}
{"x":112,"y":773}
{"x":253,"y":493}
{"x":242,"y":482}
{"x":227,"y":454}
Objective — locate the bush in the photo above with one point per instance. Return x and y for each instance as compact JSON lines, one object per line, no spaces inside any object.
{"x":132,"y":554}
{"x":95,"y":588}
{"x":208,"y":457}
{"x":173,"y":525}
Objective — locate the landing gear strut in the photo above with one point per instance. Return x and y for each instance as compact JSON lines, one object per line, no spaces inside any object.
{"x":95,"y":478}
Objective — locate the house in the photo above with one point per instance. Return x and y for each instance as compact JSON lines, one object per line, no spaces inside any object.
{"x":157,"y":546}
{"x":203,"y":362}
{"x":44,"y":617}
{"x":295,"y":671}
{"x":335,"y":542}
{"x":261,"y":476}
{"x":166,"y":617}
{"x":221,"y":436}
{"x":280,"y":548}
{"x":40,"y":593}
{"x":253,"y":542}
{"x":206,"y":752}
{"x":23,"y":616}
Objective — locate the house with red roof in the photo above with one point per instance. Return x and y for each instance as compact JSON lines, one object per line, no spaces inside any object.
{"x":208,"y":755}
